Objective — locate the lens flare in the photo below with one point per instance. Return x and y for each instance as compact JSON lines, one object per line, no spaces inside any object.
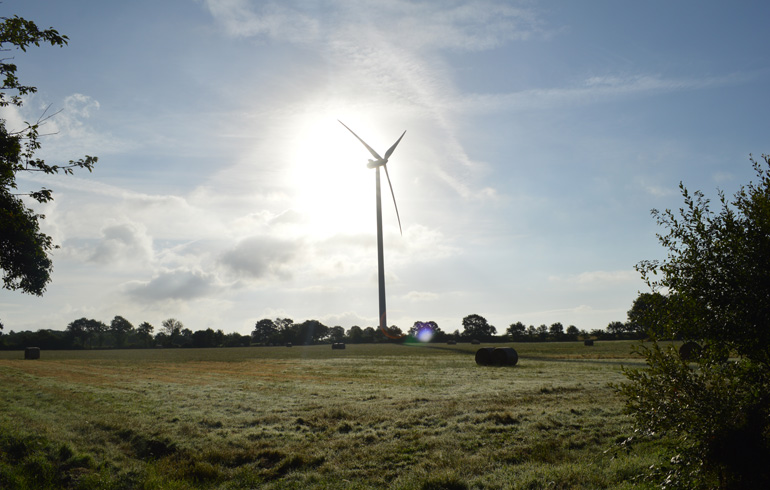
{"x":424,"y":332}
{"x":386,"y":331}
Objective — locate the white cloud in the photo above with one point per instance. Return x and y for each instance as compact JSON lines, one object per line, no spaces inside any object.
{"x":176,"y":284}
{"x":73,"y":127}
{"x":14,"y":118}
{"x":80,"y":105}
{"x":123,"y":243}
{"x":55,"y":123}
{"x":260,"y":257}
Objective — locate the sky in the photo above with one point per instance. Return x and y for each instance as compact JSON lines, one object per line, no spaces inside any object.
{"x":539,"y":136}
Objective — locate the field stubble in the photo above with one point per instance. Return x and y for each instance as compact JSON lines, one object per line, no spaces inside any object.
{"x":368,"y":416}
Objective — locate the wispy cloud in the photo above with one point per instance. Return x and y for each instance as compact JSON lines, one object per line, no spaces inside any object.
{"x":420,"y":296}
{"x":466,"y":26}
{"x":592,"y":90}
{"x":598,"y":277}
{"x":656,"y":189}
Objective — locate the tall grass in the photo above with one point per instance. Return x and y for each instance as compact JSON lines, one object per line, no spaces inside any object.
{"x":387,"y":416}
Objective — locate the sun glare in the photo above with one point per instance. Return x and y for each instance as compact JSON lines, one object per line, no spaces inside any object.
{"x":333,"y":186}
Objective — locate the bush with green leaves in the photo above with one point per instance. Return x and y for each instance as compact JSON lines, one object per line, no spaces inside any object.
{"x":713,"y":410}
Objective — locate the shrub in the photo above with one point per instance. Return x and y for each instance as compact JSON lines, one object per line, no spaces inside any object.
{"x":717,"y":275}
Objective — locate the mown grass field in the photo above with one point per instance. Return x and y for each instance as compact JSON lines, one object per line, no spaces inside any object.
{"x":369,"y":416}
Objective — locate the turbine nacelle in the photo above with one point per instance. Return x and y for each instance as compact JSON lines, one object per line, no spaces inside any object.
{"x":376,"y":163}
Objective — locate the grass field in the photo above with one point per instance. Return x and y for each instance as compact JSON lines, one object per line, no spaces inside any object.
{"x":369,"y":416}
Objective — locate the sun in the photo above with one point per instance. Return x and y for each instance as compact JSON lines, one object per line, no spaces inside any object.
{"x":332,"y":186}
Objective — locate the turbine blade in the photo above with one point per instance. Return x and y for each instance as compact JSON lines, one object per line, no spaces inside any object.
{"x":390,"y":150}
{"x":374,"y":153}
{"x":394,"y":196}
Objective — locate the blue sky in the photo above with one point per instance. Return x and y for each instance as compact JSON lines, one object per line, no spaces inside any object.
{"x":539,"y":137}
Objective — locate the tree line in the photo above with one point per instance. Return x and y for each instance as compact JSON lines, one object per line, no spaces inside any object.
{"x":86,"y":333}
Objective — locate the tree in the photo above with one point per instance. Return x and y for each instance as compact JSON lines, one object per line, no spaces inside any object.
{"x":24,"y":250}
{"x":516,"y":331}
{"x":172,"y":328}
{"x":310,"y":332}
{"x":616,"y":328}
{"x":477,"y":327}
{"x":264,"y":331}
{"x":717,"y":279}
{"x":531,"y":332}
{"x":204,"y":338}
{"x":573,"y":332}
{"x":77,"y":330}
{"x":393,"y":334}
{"x":646,"y":314}
{"x":336,"y":334}
{"x":96,"y":328}
{"x":285,"y":330}
{"x":598,"y":333}
{"x":369,"y":335}
{"x":120,"y":328}
{"x":234,"y":339}
{"x":355,"y":334}
{"x":84,"y":329}
{"x":144,"y":331}
{"x":375,"y":335}
{"x":556,"y":330}
{"x":185,"y":337}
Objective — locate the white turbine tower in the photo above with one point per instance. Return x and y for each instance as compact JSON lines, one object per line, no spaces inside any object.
{"x":376,"y":164}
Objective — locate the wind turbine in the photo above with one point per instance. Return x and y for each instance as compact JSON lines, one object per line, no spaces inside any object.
{"x":376,"y":164}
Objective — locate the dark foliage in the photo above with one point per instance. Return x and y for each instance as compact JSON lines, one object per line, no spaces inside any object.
{"x":715,"y":409}
{"x":24,"y":249}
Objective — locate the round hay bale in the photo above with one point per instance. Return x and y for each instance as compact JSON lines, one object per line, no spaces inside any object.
{"x":475,"y":341}
{"x":588,"y":343}
{"x":288,"y":344}
{"x":484,"y":356}
{"x":505,"y":356}
{"x":689,"y":351}
{"x":452,"y":342}
{"x":338,"y":345}
{"x":32,"y":353}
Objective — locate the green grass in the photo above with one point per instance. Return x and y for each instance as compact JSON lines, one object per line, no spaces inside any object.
{"x":370,"y":416}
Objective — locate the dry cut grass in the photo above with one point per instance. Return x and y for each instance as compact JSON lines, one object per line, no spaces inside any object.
{"x":383,"y":416}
